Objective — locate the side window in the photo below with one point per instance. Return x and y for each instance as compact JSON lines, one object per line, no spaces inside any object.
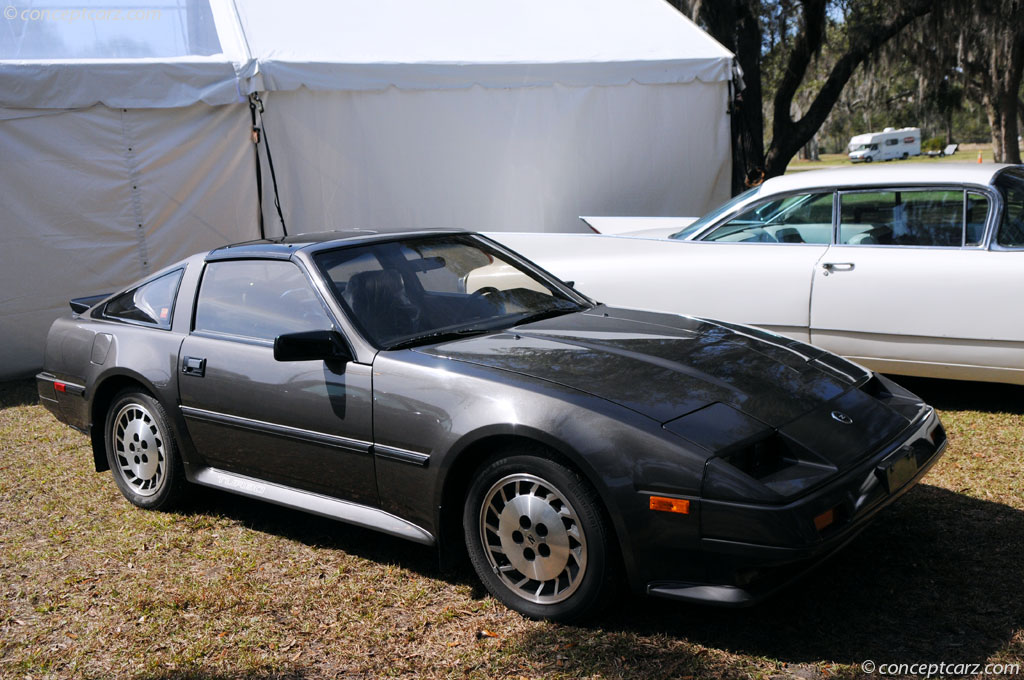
{"x":1011,"y":226}
{"x":902,"y":218}
{"x":259,"y":299}
{"x":892,"y":142}
{"x":151,"y":303}
{"x":975,"y":217}
{"x":804,"y":218}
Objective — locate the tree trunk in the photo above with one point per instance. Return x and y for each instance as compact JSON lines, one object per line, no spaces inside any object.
{"x":735,"y":24}
{"x":1010,"y":152}
{"x":810,"y":150}
{"x":1001,"y":108}
{"x":1005,"y":70}
{"x":992,"y":113}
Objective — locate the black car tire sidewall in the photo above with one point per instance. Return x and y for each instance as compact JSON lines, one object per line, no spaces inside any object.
{"x":597,"y":585}
{"x":172,"y":491}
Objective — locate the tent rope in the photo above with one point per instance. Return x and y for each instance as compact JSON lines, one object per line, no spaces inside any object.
{"x":256,"y":105}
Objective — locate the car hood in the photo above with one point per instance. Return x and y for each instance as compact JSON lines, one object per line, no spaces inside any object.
{"x":664,"y":366}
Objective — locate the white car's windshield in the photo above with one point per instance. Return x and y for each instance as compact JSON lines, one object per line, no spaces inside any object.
{"x":421,"y":290}
{"x":715,"y":214}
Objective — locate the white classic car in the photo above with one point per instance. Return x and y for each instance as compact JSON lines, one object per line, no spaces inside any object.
{"x":911,"y":270}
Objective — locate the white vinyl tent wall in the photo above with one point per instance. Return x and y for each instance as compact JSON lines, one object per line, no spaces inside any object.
{"x":490,"y":115}
{"x":476,"y":114}
{"x":94,"y":199}
{"x":533,"y":159}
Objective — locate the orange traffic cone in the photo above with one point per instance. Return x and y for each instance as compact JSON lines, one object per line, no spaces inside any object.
{"x":979,"y":156}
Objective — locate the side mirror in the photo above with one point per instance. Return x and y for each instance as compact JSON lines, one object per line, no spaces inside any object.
{"x":311,"y":346}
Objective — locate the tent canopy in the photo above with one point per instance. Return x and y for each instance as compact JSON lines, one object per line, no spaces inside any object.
{"x":159,"y":54}
{"x":355,"y":45}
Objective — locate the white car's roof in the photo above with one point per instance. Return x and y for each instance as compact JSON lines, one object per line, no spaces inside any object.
{"x":903,"y":173}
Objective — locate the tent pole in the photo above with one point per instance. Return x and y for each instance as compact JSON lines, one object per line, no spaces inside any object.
{"x":259,"y":169}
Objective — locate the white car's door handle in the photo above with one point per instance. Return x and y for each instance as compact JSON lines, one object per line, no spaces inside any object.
{"x":837,"y":266}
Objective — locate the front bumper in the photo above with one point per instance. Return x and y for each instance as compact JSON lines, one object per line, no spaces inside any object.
{"x":741,"y":571}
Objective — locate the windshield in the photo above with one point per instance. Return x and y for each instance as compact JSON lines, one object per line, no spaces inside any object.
{"x":718,"y":212}
{"x":421,"y":290}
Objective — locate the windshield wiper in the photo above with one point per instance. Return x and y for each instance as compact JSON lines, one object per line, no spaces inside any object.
{"x":547,"y":314}
{"x":438,"y":336}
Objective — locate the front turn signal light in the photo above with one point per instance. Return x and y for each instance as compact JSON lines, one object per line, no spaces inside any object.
{"x":677,"y":505}
{"x":825,"y":520}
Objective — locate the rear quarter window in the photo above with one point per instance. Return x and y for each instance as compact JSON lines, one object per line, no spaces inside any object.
{"x":151,"y":304}
{"x":1011,"y":226}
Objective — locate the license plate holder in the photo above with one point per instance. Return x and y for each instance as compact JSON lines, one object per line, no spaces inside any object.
{"x":900,"y":470}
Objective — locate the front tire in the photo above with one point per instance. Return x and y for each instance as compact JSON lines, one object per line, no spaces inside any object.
{"x":142,"y":453}
{"x":537,"y":539}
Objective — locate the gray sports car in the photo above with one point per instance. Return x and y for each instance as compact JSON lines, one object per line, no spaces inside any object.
{"x":437,"y":387}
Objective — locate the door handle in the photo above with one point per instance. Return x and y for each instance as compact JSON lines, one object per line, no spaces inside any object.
{"x":830,"y":267}
{"x":194,"y":366}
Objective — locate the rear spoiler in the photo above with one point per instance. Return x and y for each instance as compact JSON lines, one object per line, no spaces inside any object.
{"x":84,"y":304}
{"x":629,"y":225}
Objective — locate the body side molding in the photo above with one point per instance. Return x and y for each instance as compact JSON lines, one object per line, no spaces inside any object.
{"x":333,"y":508}
{"x":402,"y":455}
{"x":286,"y":431}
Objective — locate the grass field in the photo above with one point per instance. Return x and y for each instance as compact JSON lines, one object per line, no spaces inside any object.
{"x":967,"y":153}
{"x":230,"y":588}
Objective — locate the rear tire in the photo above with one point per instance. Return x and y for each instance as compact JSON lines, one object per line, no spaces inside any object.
{"x":538,"y":540}
{"x":142,"y":453}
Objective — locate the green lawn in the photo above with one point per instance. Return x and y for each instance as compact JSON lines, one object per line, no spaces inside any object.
{"x":95,"y":588}
{"x":967,"y":153}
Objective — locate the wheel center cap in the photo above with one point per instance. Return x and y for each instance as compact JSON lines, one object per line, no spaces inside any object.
{"x":141,"y":450}
{"x":536,"y":557}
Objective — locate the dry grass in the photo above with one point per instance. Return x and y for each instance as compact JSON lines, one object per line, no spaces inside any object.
{"x":967,"y":153}
{"x":94,"y":588}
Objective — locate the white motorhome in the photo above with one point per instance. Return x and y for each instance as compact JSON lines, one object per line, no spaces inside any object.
{"x":886,"y":145}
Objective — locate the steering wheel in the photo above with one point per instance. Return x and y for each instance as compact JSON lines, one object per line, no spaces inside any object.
{"x":486,"y":293}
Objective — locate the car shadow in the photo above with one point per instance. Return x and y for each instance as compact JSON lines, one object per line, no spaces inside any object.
{"x":323,"y":532}
{"x":961,"y":395}
{"x":18,"y":393}
{"x":937,"y":577}
{"x":192,"y":674}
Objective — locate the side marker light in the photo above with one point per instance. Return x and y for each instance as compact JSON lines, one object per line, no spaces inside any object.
{"x":677,"y":505}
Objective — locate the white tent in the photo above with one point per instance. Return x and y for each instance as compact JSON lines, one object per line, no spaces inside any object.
{"x":125,"y":131}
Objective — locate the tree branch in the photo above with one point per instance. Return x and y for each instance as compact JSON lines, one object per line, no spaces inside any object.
{"x":788,"y":136}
